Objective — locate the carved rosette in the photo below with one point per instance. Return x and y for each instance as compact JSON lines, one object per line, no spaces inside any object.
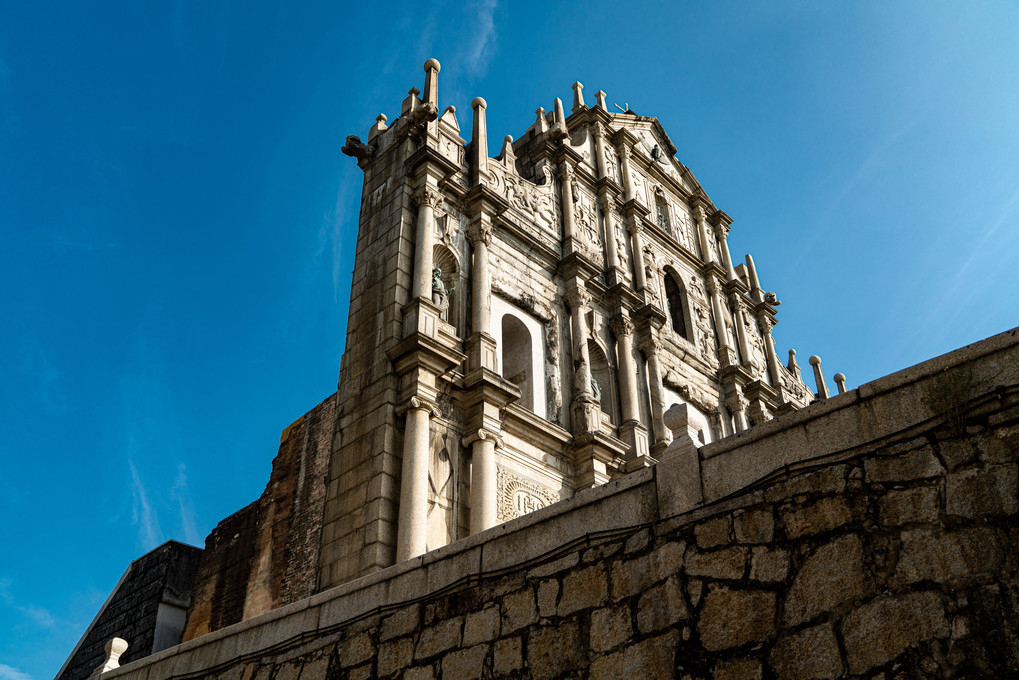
{"x":518,"y":496}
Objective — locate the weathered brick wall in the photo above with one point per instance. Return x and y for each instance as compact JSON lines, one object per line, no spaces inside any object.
{"x":893,"y":556}
{"x":266,"y":555}
{"x":163,"y":574}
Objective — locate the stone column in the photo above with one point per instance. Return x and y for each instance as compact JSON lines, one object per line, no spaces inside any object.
{"x":413,"y":519}
{"x":480,"y":236}
{"x":484,"y":495}
{"x":637,"y":259}
{"x":612,"y":257}
{"x":622,"y":327}
{"x":428,"y":199}
{"x":738,"y":406}
{"x":624,"y":161}
{"x":765,"y":324}
{"x":741,"y":330}
{"x":599,"y":151}
{"x":651,"y":348}
{"x":566,"y":198}
{"x":721,"y":331}
{"x":700,"y":222}
{"x":722,"y":231}
{"x":586,"y":410}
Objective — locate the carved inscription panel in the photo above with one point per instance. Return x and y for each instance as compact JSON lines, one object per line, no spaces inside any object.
{"x":518,"y":496}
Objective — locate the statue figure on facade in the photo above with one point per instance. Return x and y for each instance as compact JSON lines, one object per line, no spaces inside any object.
{"x":440,"y":296}
{"x":595,"y":389}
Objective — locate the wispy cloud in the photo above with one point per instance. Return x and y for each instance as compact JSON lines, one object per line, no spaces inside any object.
{"x":38,"y":616}
{"x":330,"y":233}
{"x":36,"y":365}
{"x":180,"y":493}
{"x":481,"y":45}
{"x":143,"y":516}
{"x":12,"y":673}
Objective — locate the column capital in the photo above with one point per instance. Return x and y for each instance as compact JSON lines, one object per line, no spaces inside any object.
{"x":621,"y":325}
{"x":712,"y":285}
{"x":480,"y":232}
{"x":578,"y":297}
{"x":651,"y":345}
{"x":482,"y":435}
{"x":419,"y":403}
{"x":428,"y":196}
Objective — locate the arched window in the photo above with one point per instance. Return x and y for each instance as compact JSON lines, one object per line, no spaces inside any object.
{"x":662,"y":209}
{"x":517,"y":364}
{"x":676,"y":296}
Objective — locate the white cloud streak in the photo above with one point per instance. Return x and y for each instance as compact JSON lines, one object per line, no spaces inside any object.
{"x":12,"y":673}
{"x":481,"y":44}
{"x":180,"y":493}
{"x":142,"y":514}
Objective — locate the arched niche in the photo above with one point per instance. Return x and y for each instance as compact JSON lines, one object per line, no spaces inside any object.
{"x":678,"y":302}
{"x":520,"y":339}
{"x":455,"y":282}
{"x":602,"y":371}
{"x":517,"y":359}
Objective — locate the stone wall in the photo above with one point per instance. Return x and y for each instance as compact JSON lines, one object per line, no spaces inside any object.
{"x":266,"y":555}
{"x":137,"y":609}
{"x":882,"y":556}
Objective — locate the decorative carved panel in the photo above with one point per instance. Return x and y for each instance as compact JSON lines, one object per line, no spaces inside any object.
{"x":518,"y":496}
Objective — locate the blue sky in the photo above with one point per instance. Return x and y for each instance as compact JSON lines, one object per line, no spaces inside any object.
{"x":177,"y":224}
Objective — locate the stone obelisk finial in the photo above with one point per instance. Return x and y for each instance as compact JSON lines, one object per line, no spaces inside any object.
{"x":600,"y":96}
{"x":559,"y":117}
{"x":840,"y":382}
{"x":479,"y":142}
{"x":822,"y":387}
{"x":431,"y":93}
{"x":755,"y":285}
{"x":578,"y":97}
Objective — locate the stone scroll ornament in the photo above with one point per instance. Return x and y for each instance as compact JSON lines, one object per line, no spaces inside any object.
{"x":518,"y":496}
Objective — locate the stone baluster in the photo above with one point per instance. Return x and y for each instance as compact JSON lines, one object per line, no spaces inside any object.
{"x":484,"y":494}
{"x":578,"y":97}
{"x":479,"y":143}
{"x":412,"y":530}
{"x":428,"y":199}
{"x":114,"y":649}
{"x":840,"y":382}
{"x":822,"y":387}
{"x":651,"y":348}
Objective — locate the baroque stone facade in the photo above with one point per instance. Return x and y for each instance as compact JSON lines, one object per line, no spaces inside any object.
{"x":524,"y":321}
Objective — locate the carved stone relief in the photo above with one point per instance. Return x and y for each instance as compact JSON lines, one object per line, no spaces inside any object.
{"x":518,"y":496}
